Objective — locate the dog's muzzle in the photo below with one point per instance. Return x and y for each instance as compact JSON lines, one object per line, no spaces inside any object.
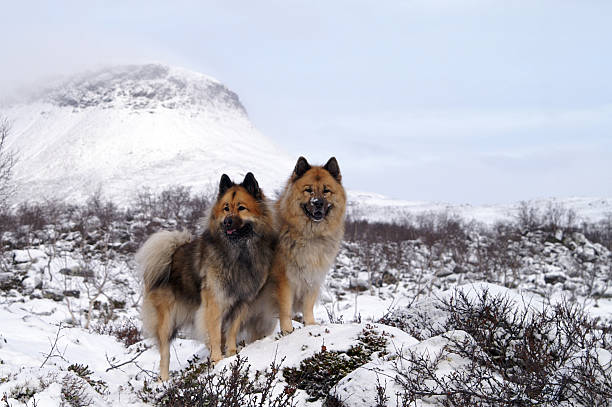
{"x":317,"y":209}
{"x":235,"y":230}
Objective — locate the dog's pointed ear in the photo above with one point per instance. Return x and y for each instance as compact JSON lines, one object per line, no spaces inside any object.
{"x":251,"y":185}
{"x":225,"y":184}
{"x":333,"y":168}
{"x":300,"y":168}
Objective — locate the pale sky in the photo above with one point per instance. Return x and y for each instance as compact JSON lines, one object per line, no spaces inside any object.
{"x":456,"y":101}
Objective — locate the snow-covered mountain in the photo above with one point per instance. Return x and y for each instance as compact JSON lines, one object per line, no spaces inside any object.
{"x":127,"y":127}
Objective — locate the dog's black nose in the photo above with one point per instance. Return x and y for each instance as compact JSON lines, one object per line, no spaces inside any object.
{"x":317,"y":203}
{"x":227,"y":222}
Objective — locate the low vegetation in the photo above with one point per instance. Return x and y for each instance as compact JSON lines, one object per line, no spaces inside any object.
{"x":554,"y":355}
{"x":234,"y":386}
{"x":319,"y":373}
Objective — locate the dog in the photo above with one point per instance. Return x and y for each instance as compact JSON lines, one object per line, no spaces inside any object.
{"x":310,"y":214}
{"x":207,"y":281}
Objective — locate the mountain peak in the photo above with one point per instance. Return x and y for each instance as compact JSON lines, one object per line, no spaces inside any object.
{"x":141,"y":87}
{"x":128,"y":127}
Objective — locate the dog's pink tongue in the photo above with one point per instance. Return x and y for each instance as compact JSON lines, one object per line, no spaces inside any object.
{"x":229,"y":232}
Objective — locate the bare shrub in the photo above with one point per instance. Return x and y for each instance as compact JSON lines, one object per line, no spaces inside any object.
{"x":516,"y":357}
{"x":429,"y":227}
{"x":32,"y":215}
{"x":85,"y":373}
{"x":528,"y":217}
{"x":74,"y":392}
{"x":599,"y":232}
{"x":175,"y":203}
{"x":126,"y":331}
{"x":234,"y":386}
{"x":145,"y":203}
{"x":362,"y":230}
{"x":196,"y":209}
{"x":555,"y":216}
{"x":7,"y":163}
{"x":105,"y":210}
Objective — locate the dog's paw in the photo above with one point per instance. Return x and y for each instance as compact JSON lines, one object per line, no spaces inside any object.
{"x":216,"y":357}
{"x":286,"y":328}
{"x":286,"y":331}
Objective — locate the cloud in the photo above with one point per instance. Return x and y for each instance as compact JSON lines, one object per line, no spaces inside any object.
{"x":470,"y":123}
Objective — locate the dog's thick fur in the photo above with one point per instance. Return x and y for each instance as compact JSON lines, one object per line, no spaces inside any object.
{"x":310,"y":216}
{"x":208,"y":281}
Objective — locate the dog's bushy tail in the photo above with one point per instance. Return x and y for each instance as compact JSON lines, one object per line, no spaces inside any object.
{"x":155,"y":255}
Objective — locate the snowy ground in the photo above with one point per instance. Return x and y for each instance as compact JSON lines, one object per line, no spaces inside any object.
{"x":35,"y":351}
{"x":64,"y":278}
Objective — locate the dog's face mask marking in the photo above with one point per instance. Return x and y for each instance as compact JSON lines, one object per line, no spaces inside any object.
{"x":237,"y":207}
{"x":317,"y":186}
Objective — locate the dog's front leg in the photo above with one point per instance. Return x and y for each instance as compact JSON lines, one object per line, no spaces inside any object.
{"x":212,"y":317}
{"x":307,"y":310}
{"x":285,"y":304}
{"x":230,"y":343}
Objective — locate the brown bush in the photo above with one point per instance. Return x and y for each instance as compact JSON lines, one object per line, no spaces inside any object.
{"x":516,"y":358}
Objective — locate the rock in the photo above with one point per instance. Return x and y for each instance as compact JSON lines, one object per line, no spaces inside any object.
{"x":389,"y":278}
{"x":11,"y":280}
{"x":5,"y":276}
{"x":72,"y":293}
{"x":554,"y":277}
{"x":64,"y":246}
{"x":579,"y":238}
{"x":443,"y":272}
{"x":128,"y":247}
{"x":570,"y":286}
{"x":117,"y":304}
{"x":570,"y":244}
{"x":357,"y":284}
{"x":77,"y":272}
{"x":473,"y":259}
{"x":587,"y":254}
{"x":459,"y":270}
{"x":452,"y":278}
{"x":153,"y":227}
{"x":386,"y":279}
{"x":32,"y":282}
{"x":53,"y":295}
{"x":27,"y":256}
{"x":325,"y":298}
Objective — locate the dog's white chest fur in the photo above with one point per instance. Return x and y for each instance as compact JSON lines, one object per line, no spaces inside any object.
{"x":312,"y":258}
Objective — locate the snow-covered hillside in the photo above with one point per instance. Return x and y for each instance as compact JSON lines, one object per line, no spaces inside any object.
{"x":378,"y":208}
{"x":127,"y":127}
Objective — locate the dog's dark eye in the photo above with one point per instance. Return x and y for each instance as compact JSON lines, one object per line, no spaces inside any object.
{"x":309,"y":190}
{"x":226,"y":208}
{"x":326,"y":191}
{"x":241,"y":208}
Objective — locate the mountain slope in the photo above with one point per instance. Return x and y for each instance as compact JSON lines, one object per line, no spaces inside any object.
{"x":124,"y":128}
